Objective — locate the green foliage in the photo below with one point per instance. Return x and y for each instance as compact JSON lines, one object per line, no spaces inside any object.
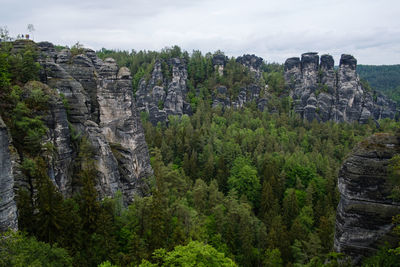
{"x":107,"y":264}
{"x":275,"y":82}
{"x":27,"y":128}
{"x":136,"y":78}
{"x":20,"y":250}
{"x":236,"y":152}
{"x":384,"y":79}
{"x":16,"y":68}
{"x":77,"y":49}
{"x":193,"y":254}
{"x":382,"y":258}
{"x":244,"y":180}
{"x":273,"y":258}
{"x":23,"y":64}
{"x":394,"y":171}
{"x":5,"y":75}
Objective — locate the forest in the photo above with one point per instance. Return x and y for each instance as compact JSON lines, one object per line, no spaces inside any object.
{"x":230,"y":187}
{"x":384,"y":78}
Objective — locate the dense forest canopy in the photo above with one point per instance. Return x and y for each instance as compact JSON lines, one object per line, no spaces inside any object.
{"x":230,"y":187}
{"x":385,"y":78}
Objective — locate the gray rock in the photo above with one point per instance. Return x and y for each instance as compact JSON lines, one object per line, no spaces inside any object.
{"x":97,"y":62}
{"x":47,"y":49}
{"x":328,"y":76}
{"x":252,"y":62}
{"x":262,"y":104}
{"x":219,"y":61}
{"x":365,"y":211}
{"x":64,"y":56}
{"x":221,"y":97}
{"x":121,"y":126}
{"x":340,"y":96}
{"x":58,"y":134}
{"x":161,"y":98}
{"x":101,"y":106}
{"x":78,"y":99}
{"x":107,"y":174}
{"x":8,"y":208}
{"x":82,"y":69}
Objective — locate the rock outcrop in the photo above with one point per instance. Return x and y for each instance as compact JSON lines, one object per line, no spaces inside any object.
{"x":320,"y":92}
{"x":100,"y":106}
{"x":252,"y":62}
{"x":247,"y":94}
{"x":8,"y":208}
{"x":160,"y":96}
{"x":219,"y":61}
{"x":365,"y":211}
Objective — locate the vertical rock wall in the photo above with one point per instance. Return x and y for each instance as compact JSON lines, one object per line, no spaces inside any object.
{"x":8,"y":208}
{"x":365,"y":211}
{"x":161,"y":97}
{"x":100,"y":106}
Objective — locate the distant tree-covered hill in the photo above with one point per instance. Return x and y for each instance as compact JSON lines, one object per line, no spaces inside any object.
{"x":384,"y":78}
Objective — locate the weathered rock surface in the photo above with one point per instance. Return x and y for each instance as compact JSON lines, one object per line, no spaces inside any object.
{"x":247,"y":94}
{"x":8,"y":208}
{"x":319,"y":92}
{"x":58,"y":134}
{"x":365,"y":211}
{"x":161,"y":97}
{"x":100,"y":106}
{"x":252,"y":62}
{"x":219,"y":61}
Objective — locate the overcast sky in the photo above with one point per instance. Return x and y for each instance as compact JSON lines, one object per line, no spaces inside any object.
{"x":274,"y":30}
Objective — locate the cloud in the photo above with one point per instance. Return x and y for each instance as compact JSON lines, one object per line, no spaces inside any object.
{"x":271,"y":29}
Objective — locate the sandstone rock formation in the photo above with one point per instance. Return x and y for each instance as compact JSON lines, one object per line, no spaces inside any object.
{"x":322,"y":93}
{"x":100,"y":106}
{"x":252,"y":62}
{"x":364,"y":214}
{"x":58,"y":134}
{"x":161,"y":97}
{"x":8,"y":208}
{"x":219,"y":61}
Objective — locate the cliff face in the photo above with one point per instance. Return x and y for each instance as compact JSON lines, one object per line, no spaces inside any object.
{"x":101,"y":106}
{"x":364,"y":214}
{"x":319,"y":92}
{"x":161,"y":97}
{"x":252,"y":62}
{"x":8,"y":208}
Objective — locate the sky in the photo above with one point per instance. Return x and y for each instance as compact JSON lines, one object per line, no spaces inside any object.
{"x":273,"y":30}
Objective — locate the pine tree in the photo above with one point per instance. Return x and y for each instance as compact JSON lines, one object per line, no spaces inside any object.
{"x":290,"y":207}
